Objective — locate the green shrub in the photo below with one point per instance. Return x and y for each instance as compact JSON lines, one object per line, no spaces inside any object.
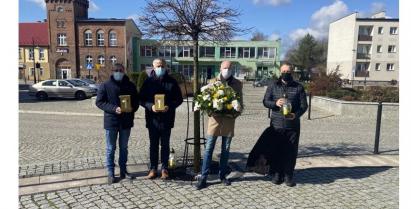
{"x":133,"y":77}
{"x":324,"y":83}
{"x":343,"y":93}
{"x":377,"y":93}
{"x":141,"y":78}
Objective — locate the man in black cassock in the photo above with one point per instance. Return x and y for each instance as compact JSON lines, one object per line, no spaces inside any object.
{"x":278,"y":145}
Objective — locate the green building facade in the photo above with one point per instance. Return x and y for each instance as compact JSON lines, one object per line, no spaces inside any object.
{"x":254,"y":59}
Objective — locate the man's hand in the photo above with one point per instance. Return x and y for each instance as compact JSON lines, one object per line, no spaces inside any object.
{"x":157,"y":111}
{"x":118,"y":110}
{"x":280,"y":102}
{"x":290,"y":116}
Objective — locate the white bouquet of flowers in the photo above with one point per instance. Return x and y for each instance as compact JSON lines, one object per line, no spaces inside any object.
{"x":218,"y":99}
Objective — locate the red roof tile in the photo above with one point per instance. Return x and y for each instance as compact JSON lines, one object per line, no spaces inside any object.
{"x":33,"y":31}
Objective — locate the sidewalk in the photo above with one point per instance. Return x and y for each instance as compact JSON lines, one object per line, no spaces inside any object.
{"x":89,"y":177}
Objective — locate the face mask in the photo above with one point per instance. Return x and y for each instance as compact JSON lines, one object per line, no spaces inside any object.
{"x":226,"y":73}
{"x":286,"y":77}
{"x":160,"y":71}
{"x":118,"y":76}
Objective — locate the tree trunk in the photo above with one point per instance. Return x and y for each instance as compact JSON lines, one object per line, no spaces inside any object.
{"x":196,"y":89}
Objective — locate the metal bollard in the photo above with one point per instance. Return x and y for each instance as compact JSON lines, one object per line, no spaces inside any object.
{"x":309,"y":106}
{"x":377,"y":129}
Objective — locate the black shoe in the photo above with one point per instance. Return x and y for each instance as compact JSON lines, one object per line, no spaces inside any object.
{"x":289,"y":181}
{"x":201,"y":184}
{"x":277,"y":179}
{"x":110,"y":179}
{"x":124,"y":175}
{"x":225,"y":181}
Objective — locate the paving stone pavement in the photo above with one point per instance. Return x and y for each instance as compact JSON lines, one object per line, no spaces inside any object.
{"x":54,"y":143}
{"x":359,"y":187}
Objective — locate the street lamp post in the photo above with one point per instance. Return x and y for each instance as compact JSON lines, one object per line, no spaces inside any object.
{"x":34,"y":60}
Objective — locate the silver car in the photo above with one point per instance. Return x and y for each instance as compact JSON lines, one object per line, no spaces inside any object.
{"x":60,"y":88}
{"x":76,"y":81}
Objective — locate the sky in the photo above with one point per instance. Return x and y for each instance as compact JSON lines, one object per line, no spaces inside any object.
{"x":286,"y":19}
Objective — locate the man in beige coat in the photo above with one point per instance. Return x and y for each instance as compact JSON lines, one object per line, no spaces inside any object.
{"x":220,"y":126}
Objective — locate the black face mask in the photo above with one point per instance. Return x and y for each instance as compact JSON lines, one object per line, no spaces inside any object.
{"x":286,"y":77}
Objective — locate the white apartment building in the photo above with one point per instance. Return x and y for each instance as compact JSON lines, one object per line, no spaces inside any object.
{"x":364,"y":48}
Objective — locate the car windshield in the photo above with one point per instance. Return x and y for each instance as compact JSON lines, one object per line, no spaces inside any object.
{"x":89,"y":81}
{"x":77,"y":83}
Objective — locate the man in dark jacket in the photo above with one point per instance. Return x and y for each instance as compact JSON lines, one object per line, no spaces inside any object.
{"x":116,"y":120}
{"x":160,"y":123}
{"x":287,"y":129}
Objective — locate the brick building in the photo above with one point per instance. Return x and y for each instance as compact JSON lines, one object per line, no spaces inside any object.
{"x":78,"y":43}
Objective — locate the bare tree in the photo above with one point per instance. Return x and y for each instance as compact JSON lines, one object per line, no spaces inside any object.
{"x":191,"y":20}
{"x":258,"y":36}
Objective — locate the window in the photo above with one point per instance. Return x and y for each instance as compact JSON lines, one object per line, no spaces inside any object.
{"x":393,"y":30}
{"x":167,"y":51}
{"x":88,"y":38}
{"x":380,"y":30}
{"x":49,"y":83}
{"x":377,"y":66}
{"x":32,"y":71}
{"x":246,"y":52}
{"x":379,"y":49}
{"x":147,"y":51}
{"x":60,"y":9}
{"x":392,"y":49}
{"x":89,"y":59}
{"x":100,"y":38}
{"x":113,"y":60}
{"x":390,"y":67}
{"x":207,"y":51}
{"x":41,"y":71}
{"x":185,"y":51}
{"x":63,"y":83}
{"x":20,"y":50}
{"x":112,"y":36}
{"x":41,"y":53}
{"x":227,"y":52}
{"x":31,"y":54}
{"x":61,"y":39}
{"x":60,"y":23}
{"x":101,"y":60}
{"x":266,"y":52}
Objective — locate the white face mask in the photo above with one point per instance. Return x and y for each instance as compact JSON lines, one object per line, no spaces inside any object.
{"x":226,"y":73}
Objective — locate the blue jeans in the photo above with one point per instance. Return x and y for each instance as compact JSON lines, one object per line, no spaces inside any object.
{"x":159,"y":137}
{"x":111,"y":138}
{"x":208,"y":155}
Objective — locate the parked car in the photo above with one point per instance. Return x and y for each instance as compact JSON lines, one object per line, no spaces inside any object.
{"x":91,"y":83}
{"x":262,"y":82}
{"x":61,"y":88}
{"x":84,"y":82}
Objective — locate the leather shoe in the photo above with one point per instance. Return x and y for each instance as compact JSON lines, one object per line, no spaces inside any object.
{"x":164,"y":174}
{"x":126,"y":175}
{"x":152,"y":174}
{"x":110,"y":179}
{"x":201,"y":184}
{"x":289,"y":181}
{"x":277,"y":179}
{"x":225,"y":181}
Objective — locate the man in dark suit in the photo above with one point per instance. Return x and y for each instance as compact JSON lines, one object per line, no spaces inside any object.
{"x":117,"y":121}
{"x":159,"y":123}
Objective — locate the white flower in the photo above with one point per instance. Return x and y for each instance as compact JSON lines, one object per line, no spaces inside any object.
{"x":218,"y":83}
{"x":236,"y":105}
{"x":204,"y":88}
{"x":196,"y":106}
{"x":206,"y":97}
{"x":217,"y":104}
{"x":220,"y":92}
